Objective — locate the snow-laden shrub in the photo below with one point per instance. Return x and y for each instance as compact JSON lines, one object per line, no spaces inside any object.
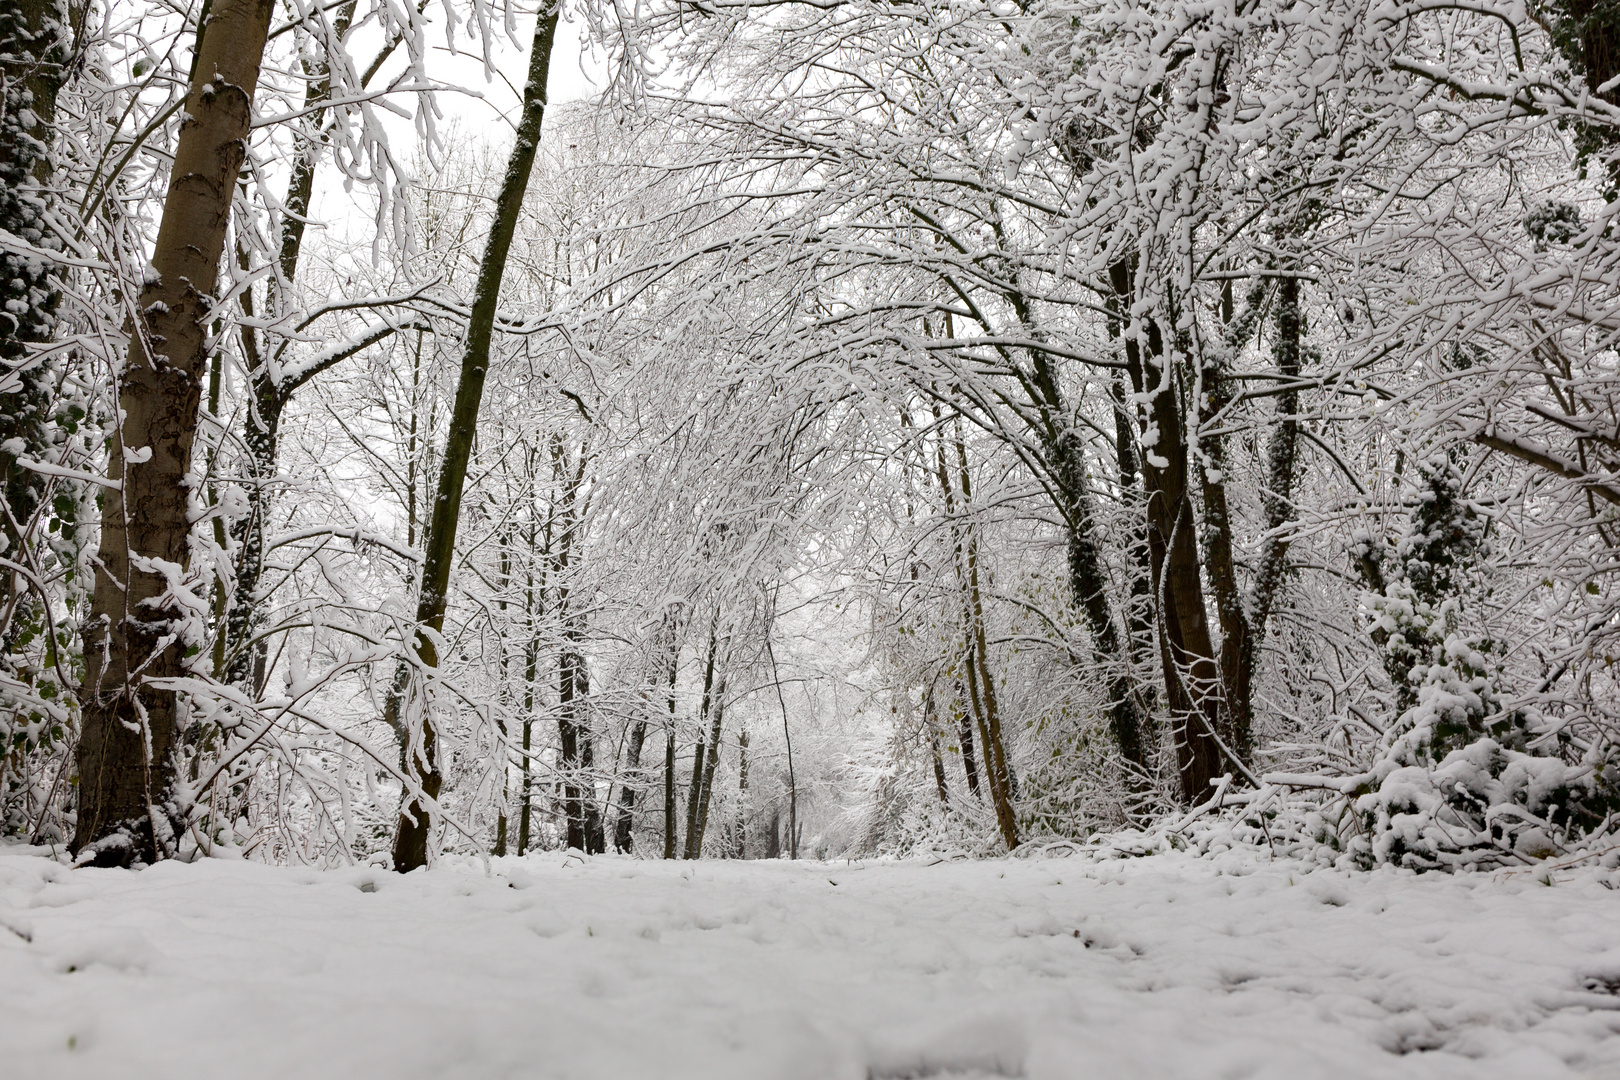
{"x":1460,"y":778}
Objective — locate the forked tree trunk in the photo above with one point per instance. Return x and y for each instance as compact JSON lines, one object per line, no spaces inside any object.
{"x":125,"y":756}
{"x":421,"y":755}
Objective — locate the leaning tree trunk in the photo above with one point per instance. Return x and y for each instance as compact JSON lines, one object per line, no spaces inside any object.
{"x":137,"y":631}
{"x":421,"y":757}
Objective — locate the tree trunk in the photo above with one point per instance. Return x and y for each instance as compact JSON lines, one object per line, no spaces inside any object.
{"x":1191,"y":675}
{"x":531,"y":671}
{"x":694,"y":799}
{"x":1243,"y":626}
{"x":628,"y":788}
{"x":577,"y":757}
{"x":964,"y":736}
{"x":742,"y":794}
{"x":1089,"y":586}
{"x":125,"y":757}
{"x":669,"y":750}
{"x":694,"y":839}
{"x":931,"y":718}
{"x":787,"y":737}
{"x":33,"y":51}
{"x":981,"y":684}
{"x":1138,"y":562}
{"x":1281,"y":456}
{"x":422,"y":758}
{"x":1064,"y":451}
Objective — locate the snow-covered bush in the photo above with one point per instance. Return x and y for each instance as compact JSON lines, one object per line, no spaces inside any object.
{"x":1461,"y":777}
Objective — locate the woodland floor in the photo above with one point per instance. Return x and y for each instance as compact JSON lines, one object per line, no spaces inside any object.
{"x":1160,"y":967}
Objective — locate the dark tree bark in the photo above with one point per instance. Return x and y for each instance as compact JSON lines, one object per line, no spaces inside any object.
{"x":629,"y":787}
{"x":787,"y":737}
{"x":125,"y":758}
{"x":708,"y":711}
{"x":980,"y":682}
{"x":964,"y":736}
{"x":742,"y":794}
{"x":931,"y":719}
{"x":531,"y":671}
{"x":422,"y":758}
{"x":1193,"y":687}
{"x":33,"y":53}
{"x":669,"y":749}
{"x":1063,"y":449}
{"x":694,"y":838}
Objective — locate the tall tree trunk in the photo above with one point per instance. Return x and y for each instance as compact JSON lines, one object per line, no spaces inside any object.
{"x":505,"y":542}
{"x":706,"y":707}
{"x":1089,"y":586}
{"x":1139,"y":564}
{"x":628,"y":787}
{"x":694,"y":840}
{"x":742,"y":794}
{"x":125,"y":756}
{"x":981,"y":683}
{"x":1236,"y":637}
{"x":1064,"y":450}
{"x":531,"y":671}
{"x":787,"y":737}
{"x":1282,"y":454}
{"x":931,"y":718}
{"x":1243,"y":626}
{"x":669,"y":749}
{"x":33,"y":53}
{"x":595,"y":835}
{"x":422,"y":758}
{"x":960,"y":707}
{"x":1192,"y":678}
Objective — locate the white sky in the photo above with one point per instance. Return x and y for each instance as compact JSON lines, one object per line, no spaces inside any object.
{"x":576,"y":74}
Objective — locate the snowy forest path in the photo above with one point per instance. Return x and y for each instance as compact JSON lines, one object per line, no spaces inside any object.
{"x":1167,"y":966}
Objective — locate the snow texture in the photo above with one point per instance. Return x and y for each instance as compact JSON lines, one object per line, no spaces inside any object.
{"x":1160,"y":967}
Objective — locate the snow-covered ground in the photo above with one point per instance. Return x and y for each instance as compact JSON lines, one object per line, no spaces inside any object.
{"x":1159,"y":967}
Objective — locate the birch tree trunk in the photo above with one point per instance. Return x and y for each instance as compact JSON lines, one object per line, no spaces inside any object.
{"x":421,"y":755}
{"x":127,"y":810}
